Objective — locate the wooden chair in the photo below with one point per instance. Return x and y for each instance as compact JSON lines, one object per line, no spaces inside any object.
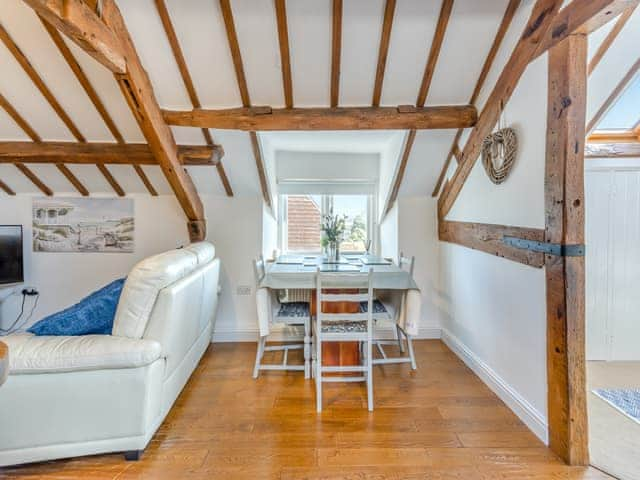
{"x":343,"y":327}
{"x":388,"y":310}
{"x":270,"y":312}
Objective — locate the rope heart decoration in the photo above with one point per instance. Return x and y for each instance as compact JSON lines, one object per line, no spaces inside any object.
{"x":499,"y":151}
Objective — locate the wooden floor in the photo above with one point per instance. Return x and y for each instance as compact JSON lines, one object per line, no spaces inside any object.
{"x":440,"y":422}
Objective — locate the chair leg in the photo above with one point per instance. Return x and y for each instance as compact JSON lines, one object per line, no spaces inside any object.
{"x":318,"y":375}
{"x":132,"y":455}
{"x":259,"y":353}
{"x":369,"y":376}
{"x":307,"y":348}
{"x":411,"y":354}
{"x":399,"y":337}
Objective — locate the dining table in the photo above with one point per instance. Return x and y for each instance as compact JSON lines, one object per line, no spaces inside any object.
{"x":299,"y":272}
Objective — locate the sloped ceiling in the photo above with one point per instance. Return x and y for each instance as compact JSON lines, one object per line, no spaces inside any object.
{"x":202,"y":36}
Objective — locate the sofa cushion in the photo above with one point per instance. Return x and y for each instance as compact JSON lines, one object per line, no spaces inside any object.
{"x":93,"y":314}
{"x":141,"y":289}
{"x":41,"y":354}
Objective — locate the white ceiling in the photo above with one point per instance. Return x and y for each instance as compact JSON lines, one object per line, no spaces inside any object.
{"x":201,"y":33}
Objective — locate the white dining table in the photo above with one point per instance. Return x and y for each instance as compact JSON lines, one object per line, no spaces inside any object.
{"x":299,"y":272}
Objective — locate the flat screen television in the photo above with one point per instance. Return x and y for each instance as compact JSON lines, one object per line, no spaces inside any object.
{"x":11,"y":263}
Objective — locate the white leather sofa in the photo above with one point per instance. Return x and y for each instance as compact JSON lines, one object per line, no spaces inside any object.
{"x":72,"y":396}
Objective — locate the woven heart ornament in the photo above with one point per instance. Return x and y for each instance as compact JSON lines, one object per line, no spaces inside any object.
{"x":499,"y":154}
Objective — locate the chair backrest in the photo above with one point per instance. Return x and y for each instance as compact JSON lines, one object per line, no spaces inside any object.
{"x":258,"y":269}
{"x":355,"y":281}
{"x":406,"y":263}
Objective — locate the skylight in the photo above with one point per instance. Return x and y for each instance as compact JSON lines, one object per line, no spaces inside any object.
{"x":625,"y":112}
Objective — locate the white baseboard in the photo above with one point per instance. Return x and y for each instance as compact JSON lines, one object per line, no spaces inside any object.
{"x":535,"y":420}
{"x":223,"y":335}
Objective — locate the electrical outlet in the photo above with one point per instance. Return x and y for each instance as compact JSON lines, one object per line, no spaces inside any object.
{"x":243,"y":290}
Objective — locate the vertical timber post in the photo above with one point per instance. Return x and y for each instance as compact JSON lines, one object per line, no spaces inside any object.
{"x":564,"y":218}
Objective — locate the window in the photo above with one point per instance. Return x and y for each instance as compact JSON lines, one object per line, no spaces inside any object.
{"x":300,"y":217}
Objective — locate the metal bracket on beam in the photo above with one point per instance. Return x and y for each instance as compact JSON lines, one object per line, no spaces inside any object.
{"x":544,"y":247}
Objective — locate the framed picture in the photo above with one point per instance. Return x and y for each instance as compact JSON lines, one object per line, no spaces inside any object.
{"x":83,"y":225}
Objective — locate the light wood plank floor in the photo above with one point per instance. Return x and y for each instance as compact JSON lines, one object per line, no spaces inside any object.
{"x":440,"y":422}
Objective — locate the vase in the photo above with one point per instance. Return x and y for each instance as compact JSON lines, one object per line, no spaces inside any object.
{"x":333,"y":252}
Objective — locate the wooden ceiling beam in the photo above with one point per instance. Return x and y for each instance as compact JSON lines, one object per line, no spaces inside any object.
{"x":33,"y":178}
{"x":397,"y":181}
{"x":101,"y":153}
{"x":610,"y":38}
{"x":19,"y":119}
{"x":188,"y":81}
{"x":509,"y":13}
{"x":73,"y":180}
{"x":262,"y":175}
{"x":136,"y":87}
{"x":145,"y":180}
{"x":39,"y":83}
{"x":340,"y":118}
{"x":336,"y":51}
{"x":583,"y":17}
{"x":285,"y":55}
{"x":617,"y":91}
{"x":434,"y":51}
{"x":6,"y":189}
{"x":110,"y":179}
{"x":383,"y":51}
{"x":540,"y":21}
{"x":234,"y":47}
{"x":79,"y":21}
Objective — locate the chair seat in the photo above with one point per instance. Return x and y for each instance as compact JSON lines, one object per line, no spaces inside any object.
{"x":294,"y":310}
{"x":378,"y":307}
{"x":340,"y":326}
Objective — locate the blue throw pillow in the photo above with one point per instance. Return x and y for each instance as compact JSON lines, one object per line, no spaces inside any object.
{"x":92,"y":315}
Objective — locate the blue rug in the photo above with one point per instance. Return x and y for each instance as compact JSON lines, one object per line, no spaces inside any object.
{"x":626,"y":401}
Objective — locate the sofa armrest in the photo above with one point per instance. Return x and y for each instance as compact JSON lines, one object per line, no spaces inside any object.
{"x":30,"y":354}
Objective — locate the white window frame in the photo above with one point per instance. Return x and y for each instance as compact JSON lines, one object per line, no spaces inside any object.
{"x":325,"y":206}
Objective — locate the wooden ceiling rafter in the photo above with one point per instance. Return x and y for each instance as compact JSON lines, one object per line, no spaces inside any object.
{"x":178,"y":55}
{"x":383,"y":50}
{"x":82,"y":78}
{"x":27,"y":172}
{"x":37,"y":80}
{"x":7,"y":189}
{"x":101,"y":153}
{"x":138,"y":91}
{"x":285,"y":54}
{"x":336,"y":51}
{"x":33,"y":135}
{"x":403,"y":117}
{"x":455,"y":152}
{"x":423,"y":92}
{"x":610,"y":38}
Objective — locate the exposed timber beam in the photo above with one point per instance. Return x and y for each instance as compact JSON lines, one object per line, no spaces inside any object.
{"x":285,"y":56}
{"x":73,"y":180}
{"x":110,"y":179}
{"x":565,"y":275}
{"x":264,"y":184}
{"x":188,"y":82}
{"x":488,"y":238}
{"x":612,"y":150}
{"x":617,"y":91}
{"x":336,"y":51}
{"x":609,"y":39}
{"x":454,"y":152}
{"x":540,"y":21}
{"x":340,"y":118}
{"x":582,"y":17}
{"x":81,"y":24}
{"x":397,"y":180}
{"x":383,"y":50}
{"x":39,"y":83}
{"x":136,"y":87}
{"x":434,"y":51}
{"x":33,"y":178}
{"x":101,"y":153}
{"x":6,"y":188}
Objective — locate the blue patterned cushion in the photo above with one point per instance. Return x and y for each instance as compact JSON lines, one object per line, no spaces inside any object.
{"x":340,"y":326}
{"x":92,"y":315}
{"x":378,"y":307}
{"x":294,"y":309}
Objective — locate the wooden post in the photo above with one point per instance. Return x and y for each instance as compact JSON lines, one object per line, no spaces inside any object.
{"x":564,"y":205}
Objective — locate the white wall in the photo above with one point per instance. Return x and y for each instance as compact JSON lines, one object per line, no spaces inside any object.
{"x":388,"y":234}
{"x":494,"y":308}
{"x":234,"y":226}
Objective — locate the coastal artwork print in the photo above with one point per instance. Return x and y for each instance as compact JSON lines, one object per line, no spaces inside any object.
{"x":83,"y":225}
